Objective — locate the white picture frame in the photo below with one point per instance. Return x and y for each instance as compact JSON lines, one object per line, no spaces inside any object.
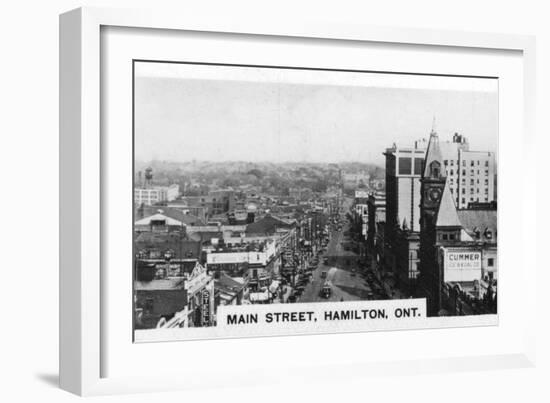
{"x":82,"y":305}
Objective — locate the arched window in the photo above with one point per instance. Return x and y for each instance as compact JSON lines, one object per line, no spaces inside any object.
{"x":435,"y":169}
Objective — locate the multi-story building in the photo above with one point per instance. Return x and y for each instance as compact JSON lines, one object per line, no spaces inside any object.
{"x":471,"y":176}
{"x":215,"y":203}
{"x":155,"y":194}
{"x":458,"y":247}
{"x":471,"y":180}
{"x":180,"y":301}
{"x":258,"y":262}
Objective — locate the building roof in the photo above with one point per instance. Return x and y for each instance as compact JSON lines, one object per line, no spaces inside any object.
{"x":158,"y":217}
{"x":479,"y":222}
{"x":447,"y":215}
{"x":182,"y":248}
{"x":228,"y":284}
{"x":175,"y":283}
{"x":175,"y":213}
{"x":267,"y":225}
{"x":433,"y":154}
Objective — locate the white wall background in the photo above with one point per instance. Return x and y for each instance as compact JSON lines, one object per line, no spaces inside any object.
{"x":29,"y":196}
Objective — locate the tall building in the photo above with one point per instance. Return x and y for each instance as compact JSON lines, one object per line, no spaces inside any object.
{"x":403,"y":172}
{"x":471,"y":180}
{"x":458,"y":247}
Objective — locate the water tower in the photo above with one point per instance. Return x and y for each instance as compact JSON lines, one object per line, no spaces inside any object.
{"x":148,"y":177}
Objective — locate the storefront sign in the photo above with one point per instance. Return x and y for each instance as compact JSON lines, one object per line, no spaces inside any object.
{"x":206,"y":307}
{"x":463,"y":260}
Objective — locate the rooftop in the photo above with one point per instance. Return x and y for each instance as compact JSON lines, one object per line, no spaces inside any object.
{"x":171,"y":283}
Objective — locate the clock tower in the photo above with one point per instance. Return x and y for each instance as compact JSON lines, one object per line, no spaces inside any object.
{"x":432,"y":185}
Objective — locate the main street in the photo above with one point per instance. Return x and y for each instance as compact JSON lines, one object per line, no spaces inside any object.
{"x":342,"y":272}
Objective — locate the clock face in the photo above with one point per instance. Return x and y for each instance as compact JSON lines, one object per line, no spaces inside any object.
{"x":434,"y":194}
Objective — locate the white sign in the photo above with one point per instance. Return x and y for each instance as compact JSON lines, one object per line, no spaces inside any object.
{"x":319,"y":317}
{"x":462,"y":260}
{"x":462,"y":266}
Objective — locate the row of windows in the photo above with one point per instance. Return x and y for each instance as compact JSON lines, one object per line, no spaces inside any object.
{"x":451,"y":172}
{"x":472,"y":181}
{"x":472,"y":190}
{"x":472,"y":199}
{"x":465,"y":163}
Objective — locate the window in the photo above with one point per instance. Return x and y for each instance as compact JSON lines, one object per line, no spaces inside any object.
{"x":472,"y":163}
{"x":435,"y":169}
{"x":471,"y":181}
{"x":452,"y":162}
{"x":463,"y":191}
{"x":486,"y":181}
{"x":477,"y":233}
{"x":463,"y":163}
{"x":463,"y":199}
{"x":452,"y":237}
{"x":451,"y":181}
{"x":445,"y":162}
{"x":452,"y":190}
{"x":477,"y":162}
{"x":463,"y":181}
{"x":486,"y":172}
{"x":472,"y":172}
{"x":486,"y":163}
{"x":452,"y":172}
{"x":471,"y":190}
{"x":418,"y":166}
{"x":444,"y":237}
{"x":463,"y":172}
{"x":405,"y":166}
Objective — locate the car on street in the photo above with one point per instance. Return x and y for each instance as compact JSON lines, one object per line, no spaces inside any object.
{"x":326,"y":291}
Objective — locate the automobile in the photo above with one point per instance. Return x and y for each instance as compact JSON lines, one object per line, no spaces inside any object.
{"x":324,"y":274}
{"x":326,"y":291}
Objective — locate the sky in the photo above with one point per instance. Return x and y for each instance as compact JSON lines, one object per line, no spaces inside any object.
{"x":226,"y":113}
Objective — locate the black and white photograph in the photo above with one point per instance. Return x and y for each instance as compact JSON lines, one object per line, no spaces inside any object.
{"x":278,"y":200}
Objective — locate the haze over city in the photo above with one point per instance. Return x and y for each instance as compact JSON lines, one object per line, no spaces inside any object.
{"x":261,"y":114}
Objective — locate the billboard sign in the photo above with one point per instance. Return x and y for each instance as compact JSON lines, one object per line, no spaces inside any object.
{"x":462,"y":265}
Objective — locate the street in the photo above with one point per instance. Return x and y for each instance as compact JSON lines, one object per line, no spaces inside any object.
{"x":347,"y":278}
